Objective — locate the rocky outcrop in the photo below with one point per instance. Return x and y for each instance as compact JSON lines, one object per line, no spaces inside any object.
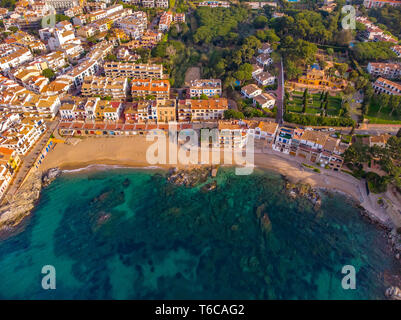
{"x":264,"y":220}
{"x":393,"y":293}
{"x":188,"y":178}
{"x":21,"y":204}
{"x":210,"y":186}
{"x":304,"y":190}
{"x":50,"y":175}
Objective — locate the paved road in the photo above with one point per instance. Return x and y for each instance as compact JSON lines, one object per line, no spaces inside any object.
{"x":280,"y":94}
{"x":29,"y":159}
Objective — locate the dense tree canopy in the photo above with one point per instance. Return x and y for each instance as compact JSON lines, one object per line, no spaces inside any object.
{"x":367,"y":51}
{"x":214,"y":24}
{"x":390,"y":17}
{"x":308,"y":25}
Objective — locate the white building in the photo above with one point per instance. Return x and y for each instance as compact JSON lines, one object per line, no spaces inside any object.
{"x":251,"y":90}
{"x":265,"y":100}
{"x":264,"y":79}
{"x":264,"y":59}
{"x":208,"y":87}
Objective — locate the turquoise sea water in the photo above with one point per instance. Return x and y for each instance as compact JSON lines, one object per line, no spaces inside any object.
{"x":128,"y":234}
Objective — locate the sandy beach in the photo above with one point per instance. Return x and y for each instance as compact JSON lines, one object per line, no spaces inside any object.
{"x":131,"y":151}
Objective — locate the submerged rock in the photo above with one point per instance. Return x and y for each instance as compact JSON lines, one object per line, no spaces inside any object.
{"x":126,"y":182}
{"x":188,"y":178}
{"x":265,"y":223}
{"x":263,"y":217}
{"x":210,"y":186}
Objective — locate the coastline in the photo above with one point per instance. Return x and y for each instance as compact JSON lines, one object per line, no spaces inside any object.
{"x":92,"y":153}
{"x":131,"y":152}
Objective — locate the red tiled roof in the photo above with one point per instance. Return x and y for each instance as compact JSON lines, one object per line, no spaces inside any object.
{"x":129,"y":127}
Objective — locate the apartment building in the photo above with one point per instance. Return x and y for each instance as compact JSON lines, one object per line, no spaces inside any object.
{"x":61,"y":34}
{"x":108,"y":111}
{"x":75,"y":11}
{"x":9,"y":163}
{"x":331,"y":155}
{"x":133,"y":25}
{"x":264,"y":130}
{"x":86,"y":68}
{"x":208,"y":87}
{"x":319,"y":147}
{"x":283,"y":139}
{"x":231,"y":134}
{"x":179,"y":17}
{"x":380,"y":3}
{"x":382,"y":85}
{"x":62,"y":5}
{"x":214,"y":4}
{"x":161,"y":4}
{"x":131,"y":112}
{"x":165,"y":21}
{"x":148,"y":3}
{"x":117,"y":88}
{"x":184,"y":111}
{"x":147,"y":110}
{"x":135,"y":71}
{"x":60,"y":86}
{"x":90,"y":66}
{"x":397,"y":50}
{"x":388,"y":70}
{"x":55,"y":60}
{"x":72,"y":51}
{"x":150,"y":89}
{"x":15,"y":58}
{"x":23,"y":135}
{"x":166,"y":110}
{"x":210,"y":109}
{"x":373,"y":32}
{"x":238,"y":132}
{"x":31,"y":78}
{"x":48,"y":106}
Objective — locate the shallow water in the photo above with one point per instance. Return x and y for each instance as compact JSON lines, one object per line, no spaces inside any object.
{"x":127,"y":234}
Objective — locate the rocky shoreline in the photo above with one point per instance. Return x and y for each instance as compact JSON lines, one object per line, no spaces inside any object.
{"x":19,"y":207}
{"x":391,"y":233}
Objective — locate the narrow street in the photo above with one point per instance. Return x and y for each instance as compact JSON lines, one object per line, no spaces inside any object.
{"x":29,"y":160}
{"x":280,"y":94}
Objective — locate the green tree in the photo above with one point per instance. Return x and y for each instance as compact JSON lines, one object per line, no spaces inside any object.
{"x":305,"y":100}
{"x":260,"y":22}
{"x":233,"y":114}
{"x":48,"y":73}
